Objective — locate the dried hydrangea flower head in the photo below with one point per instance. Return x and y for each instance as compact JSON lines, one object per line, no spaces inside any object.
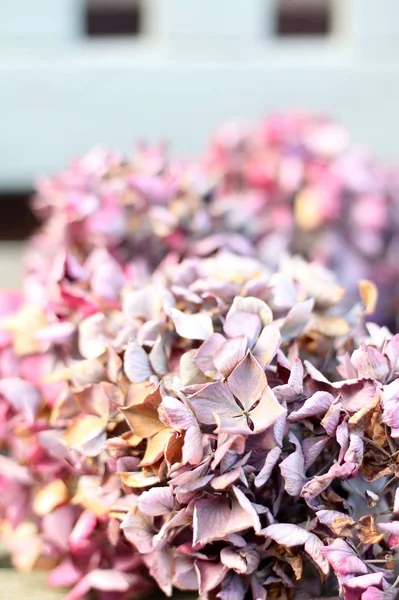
{"x":292,"y":183}
{"x":197,"y":426}
{"x":295,"y":182}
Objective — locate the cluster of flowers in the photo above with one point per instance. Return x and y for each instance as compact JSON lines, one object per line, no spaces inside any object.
{"x":183,"y":405}
{"x":291,"y":183}
{"x":198,"y":428}
{"x":295,"y":182}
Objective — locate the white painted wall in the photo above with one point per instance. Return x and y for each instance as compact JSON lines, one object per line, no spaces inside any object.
{"x":61,"y":93}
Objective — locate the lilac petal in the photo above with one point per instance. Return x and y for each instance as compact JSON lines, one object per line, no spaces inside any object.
{"x":293,"y":469}
{"x":175,"y":414}
{"x":392,"y":528}
{"x":186,"y":492}
{"x":160,"y":564}
{"x":156,"y":190}
{"x":287,"y":534}
{"x":258,"y":591}
{"x":356,"y":394}
{"x":284,"y":292}
{"x":158,"y":358}
{"x":185,"y":575}
{"x":267,"y":412}
{"x":210,"y":575}
{"x":214,"y":397}
{"x":356,"y":449}
{"x":156,"y":501}
{"x":233,"y":588}
{"x":224,"y":447}
{"x":369,"y":362}
{"x":247,"y":506}
{"x":314,"y":547}
{"x":343,"y":559}
{"x":390,"y":404}
{"x":331,"y":419}
{"x":233,"y":425}
{"x":107,"y":279}
{"x":315,"y":406}
{"x":312,"y":448}
{"x":136,"y":363}
{"x":392,"y":352}
{"x":221,"y":482}
{"x":190,"y":373}
{"x":252,"y":305}
{"x":270,"y":462}
{"x":242,"y":561}
{"x":247,"y":381}
{"x":215,"y":518}
{"x":230,"y":354}
{"x":57,"y":333}
{"x":141,"y":304}
{"x":315,"y":373}
{"x":243,"y":323}
{"x":91,"y":336}
{"x":193,"y":327}
{"x":296,"y":320}
{"x":22,"y":396}
{"x":319,"y":483}
{"x":279,"y":428}
{"x":267,"y":345}
{"x":204,"y":357}
{"x":295,"y":379}
{"x":342,"y":436}
{"x":139,"y":530}
{"x":192,"y":446}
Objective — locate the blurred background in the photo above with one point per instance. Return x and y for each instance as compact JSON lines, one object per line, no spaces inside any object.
{"x":78,"y":73}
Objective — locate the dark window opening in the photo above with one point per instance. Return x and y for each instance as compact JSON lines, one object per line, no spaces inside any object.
{"x":304,"y":17}
{"x":17,"y":221}
{"x":113,"y":18}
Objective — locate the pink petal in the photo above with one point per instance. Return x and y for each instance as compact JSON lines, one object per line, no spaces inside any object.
{"x":267,"y":345}
{"x":65,"y":575}
{"x":214,"y":397}
{"x":156,"y":501}
{"x":343,"y":559}
{"x":204,"y":357}
{"x":270,"y":462}
{"x":230,"y":354}
{"x":175,"y":414}
{"x":192,"y":446}
{"x":136,"y":363}
{"x":215,"y":518}
{"x":247,"y":381}
{"x":139,"y":530}
{"x":22,"y":396}
{"x":193,"y":327}
{"x":316,"y":405}
{"x":293,"y":469}
{"x":296,"y":320}
{"x":243,"y":323}
{"x":267,"y":412}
